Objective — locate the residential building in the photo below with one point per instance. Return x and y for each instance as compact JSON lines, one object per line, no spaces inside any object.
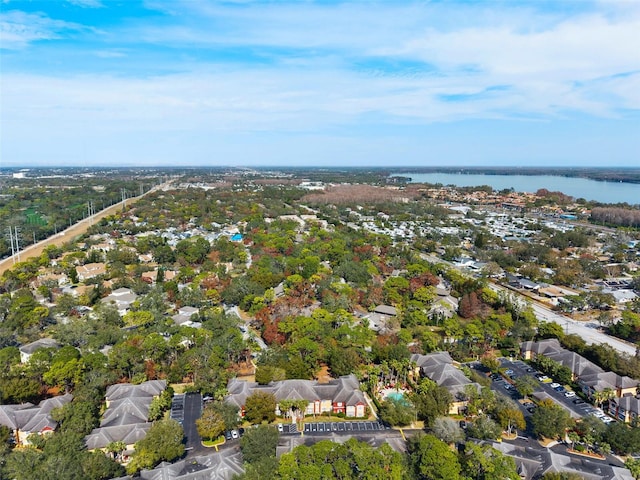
{"x":126,"y":416}
{"x":440,"y":367}
{"x":30,"y":348}
{"x":122,"y":298}
{"x":26,"y":419}
{"x":90,"y":270}
{"x":589,"y":376}
{"x":342,"y":395}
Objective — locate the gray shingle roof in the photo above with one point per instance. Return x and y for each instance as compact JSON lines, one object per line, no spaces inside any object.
{"x":344,"y":389}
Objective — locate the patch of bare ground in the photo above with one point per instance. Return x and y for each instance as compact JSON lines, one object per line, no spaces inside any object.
{"x":359,"y":193}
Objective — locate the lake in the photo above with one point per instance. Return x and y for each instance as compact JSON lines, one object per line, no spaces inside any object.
{"x":605,"y":192}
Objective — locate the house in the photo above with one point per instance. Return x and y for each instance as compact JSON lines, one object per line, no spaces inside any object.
{"x":342,"y":395}
{"x":90,"y":270}
{"x":183,"y":317}
{"x":30,"y":348}
{"x":26,"y":419}
{"x":387,"y":310}
{"x":439,"y":367}
{"x":622,"y":296}
{"x":122,"y":298}
{"x":125,"y":418}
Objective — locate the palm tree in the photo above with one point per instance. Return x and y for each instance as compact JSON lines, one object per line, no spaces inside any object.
{"x":116,"y":449}
{"x":573,"y":438}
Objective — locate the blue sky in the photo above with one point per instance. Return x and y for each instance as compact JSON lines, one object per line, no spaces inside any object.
{"x":302,"y":83}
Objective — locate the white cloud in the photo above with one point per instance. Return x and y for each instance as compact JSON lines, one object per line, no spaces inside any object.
{"x":18,"y":29}
{"x":86,"y":3}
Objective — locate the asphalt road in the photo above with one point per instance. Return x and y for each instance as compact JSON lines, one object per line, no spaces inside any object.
{"x":590,"y":335}
{"x":192,"y":411}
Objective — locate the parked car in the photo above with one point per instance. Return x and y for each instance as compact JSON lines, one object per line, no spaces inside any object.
{"x":280,"y":428}
{"x":508,"y":372}
{"x":570,"y":394}
{"x":559,"y":389}
{"x":234,"y":434}
{"x":227,"y":435}
{"x":554,"y":385}
{"x":578,"y":401}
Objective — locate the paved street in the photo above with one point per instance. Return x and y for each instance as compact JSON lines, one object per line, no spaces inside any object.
{"x":589,"y":334}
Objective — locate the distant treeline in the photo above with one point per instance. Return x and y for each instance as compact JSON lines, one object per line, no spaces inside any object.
{"x":616,"y":216}
{"x":627,"y":175}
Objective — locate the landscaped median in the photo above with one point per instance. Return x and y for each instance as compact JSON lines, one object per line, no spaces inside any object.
{"x":214,"y":443}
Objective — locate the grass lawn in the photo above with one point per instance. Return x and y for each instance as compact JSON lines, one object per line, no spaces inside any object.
{"x":213,"y":443}
{"x":180,"y":387}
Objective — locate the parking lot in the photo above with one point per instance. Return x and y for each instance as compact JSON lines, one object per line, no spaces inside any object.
{"x":548,"y":388}
{"x":327,"y":427}
{"x":177,"y":408}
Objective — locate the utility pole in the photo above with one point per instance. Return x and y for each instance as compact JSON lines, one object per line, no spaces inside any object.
{"x":17,"y":240}
{"x":13,"y":250}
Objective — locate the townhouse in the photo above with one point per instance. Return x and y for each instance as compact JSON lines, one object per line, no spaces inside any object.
{"x":339,"y":396}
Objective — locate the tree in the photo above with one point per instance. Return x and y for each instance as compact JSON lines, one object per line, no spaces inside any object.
{"x":260,"y":407}
{"x":484,"y":428}
{"x":432,"y":459}
{"x":211,"y":424}
{"x":550,"y":420}
{"x":483,"y":462}
{"x":431,"y":402}
{"x":116,"y":448}
{"x":510,"y":418}
{"x":634,"y":467}
{"x":258,"y":443}
{"x":490,"y":361}
{"x":162,"y":443}
{"x":228,"y":412}
{"x":397,"y":412}
{"x":352,"y":460}
{"x":526,"y":385}
{"x":562,"y":476}
{"x":447,"y":430}
{"x":267,"y":373}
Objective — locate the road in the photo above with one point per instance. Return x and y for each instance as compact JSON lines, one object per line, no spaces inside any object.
{"x":588,"y":334}
{"x":70,"y":233}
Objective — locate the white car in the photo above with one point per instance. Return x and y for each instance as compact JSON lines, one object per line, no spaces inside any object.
{"x":234,"y":434}
{"x":554,"y":385}
{"x":280,"y":428}
{"x":569,"y":394}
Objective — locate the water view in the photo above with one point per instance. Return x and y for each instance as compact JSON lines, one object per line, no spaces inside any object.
{"x":606,"y":192}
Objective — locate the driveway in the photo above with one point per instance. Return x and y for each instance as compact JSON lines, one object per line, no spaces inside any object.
{"x":192,"y":411}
